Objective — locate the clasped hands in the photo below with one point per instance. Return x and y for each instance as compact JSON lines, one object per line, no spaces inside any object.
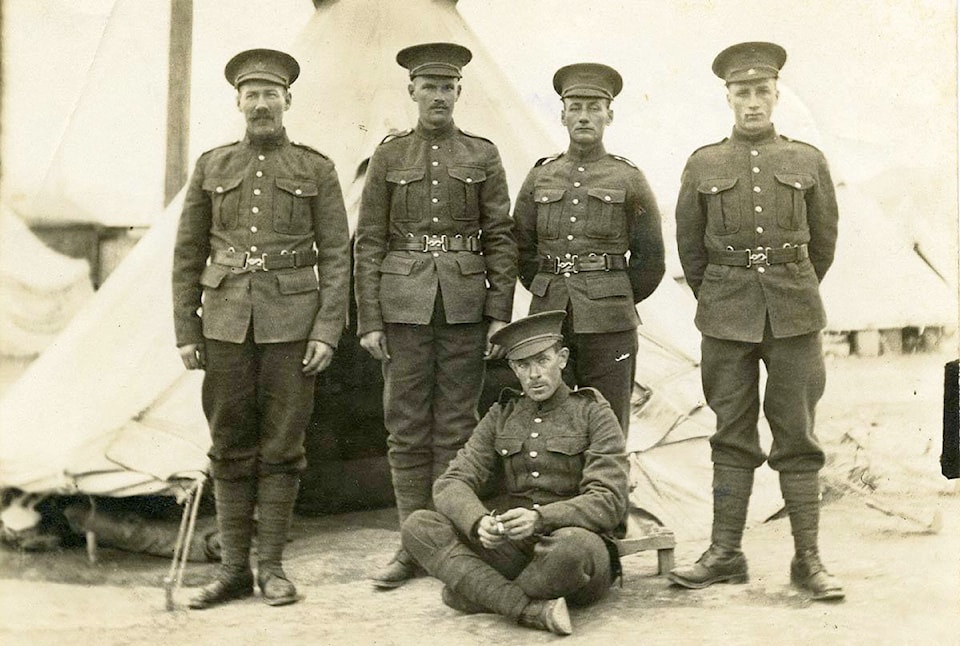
{"x":514,"y":524}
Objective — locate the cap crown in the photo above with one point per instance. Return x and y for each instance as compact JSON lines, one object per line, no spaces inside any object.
{"x":262,"y":65}
{"x":530,"y":335}
{"x":587,"y":79}
{"x":434,"y":59}
{"x":749,"y":61}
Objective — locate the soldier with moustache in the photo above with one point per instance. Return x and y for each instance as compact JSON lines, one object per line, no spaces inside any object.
{"x":756,"y":231}
{"x":589,"y":239}
{"x":435,"y":267}
{"x":556,"y":457}
{"x":260,"y":292}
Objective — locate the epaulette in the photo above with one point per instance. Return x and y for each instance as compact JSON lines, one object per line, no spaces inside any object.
{"x":591,"y":393}
{"x":546,"y":160}
{"x":624,"y":160}
{"x":508,"y":395}
{"x":306,"y":147}
{"x":797,"y":141}
{"x":396,"y":135}
{"x":470,"y":134}
{"x":716,"y":143}
{"x":232,"y":143}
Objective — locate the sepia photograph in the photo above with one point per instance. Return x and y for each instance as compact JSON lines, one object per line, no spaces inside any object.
{"x":407,"y":322}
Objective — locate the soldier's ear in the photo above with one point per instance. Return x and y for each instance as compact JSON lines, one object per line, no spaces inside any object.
{"x":287,"y":100}
{"x":564,"y":354}
{"x":609,"y":115}
{"x":410,"y":90}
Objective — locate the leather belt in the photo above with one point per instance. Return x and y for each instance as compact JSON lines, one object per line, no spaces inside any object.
{"x":444,"y":242}
{"x":575,"y":264}
{"x":244,"y":261}
{"x":759,"y":256}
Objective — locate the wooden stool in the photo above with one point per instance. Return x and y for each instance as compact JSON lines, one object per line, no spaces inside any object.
{"x":647,"y":535}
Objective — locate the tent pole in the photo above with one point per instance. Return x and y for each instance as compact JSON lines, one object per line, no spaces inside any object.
{"x":178,"y":97}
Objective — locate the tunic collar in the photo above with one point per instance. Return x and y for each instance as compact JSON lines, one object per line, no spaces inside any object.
{"x":434,"y":134}
{"x":556,"y":400}
{"x":270,"y":141}
{"x":589,"y":155}
{"x":764,"y":136}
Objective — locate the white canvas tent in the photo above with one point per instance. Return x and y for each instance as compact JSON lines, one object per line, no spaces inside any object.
{"x":111,"y":411}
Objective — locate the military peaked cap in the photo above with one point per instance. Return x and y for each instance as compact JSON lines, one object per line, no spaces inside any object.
{"x":434,"y":59}
{"x":262,"y":65}
{"x":749,"y":61}
{"x":587,"y":79}
{"x":530,"y":335}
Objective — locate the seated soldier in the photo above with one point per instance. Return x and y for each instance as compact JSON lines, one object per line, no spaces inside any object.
{"x":557,"y":458}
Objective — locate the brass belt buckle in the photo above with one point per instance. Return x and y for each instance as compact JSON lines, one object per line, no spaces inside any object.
{"x":434,"y":243}
{"x":253,"y":263}
{"x":564,"y":266}
{"x":758,"y":257}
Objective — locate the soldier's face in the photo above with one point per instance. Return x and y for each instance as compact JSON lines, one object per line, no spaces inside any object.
{"x":586,"y":118}
{"x":263,"y":104}
{"x":752,"y":103}
{"x":435,"y":97}
{"x":540,"y":374}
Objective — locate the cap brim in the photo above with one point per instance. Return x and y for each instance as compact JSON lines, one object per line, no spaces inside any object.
{"x":531,"y":347}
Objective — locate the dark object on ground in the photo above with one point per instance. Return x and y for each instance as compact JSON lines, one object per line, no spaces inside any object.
{"x":950,"y":458}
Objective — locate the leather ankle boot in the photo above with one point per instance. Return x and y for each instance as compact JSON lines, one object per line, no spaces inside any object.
{"x":551,"y":615}
{"x":808,"y":573}
{"x":401,"y":568}
{"x":716,"y":565}
{"x":460,"y":603}
{"x":228,"y":586}
{"x":275,"y":588}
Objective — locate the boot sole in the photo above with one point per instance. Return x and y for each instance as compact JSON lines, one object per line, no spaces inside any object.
{"x":282,"y":601}
{"x":217,"y":602}
{"x":699,"y":585}
{"x":829,"y":595}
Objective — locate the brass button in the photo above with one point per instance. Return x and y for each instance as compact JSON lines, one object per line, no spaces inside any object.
{"x":714,"y":189}
{"x":219,"y":189}
{"x":402,"y":182}
{"x":436,"y":219}
{"x":259,"y":173}
{"x":581,"y":168}
{"x":756,"y":170}
{"x":576,"y":184}
{"x":255,"y":209}
{"x":758,"y":209}
{"x":537,"y":420}
{"x":756,"y":189}
{"x":535,"y":474}
{"x":534,"y":435}
{"x":533,"y":454}
{"x":576,"y":201}
{"x":469,"y":180}
{"x":435,"y":182}
{"x":253,"y":248}
{"x":434,"y":146}
{"x":759,"y":229}
{"x":761,"y":269}
{"x":253,"y":229}
{"x":607,"y":198}
{"x":566,"y":274}
{"x":570,"y":237}
{"x":434,"y":163}
{"x":261,"y":157}
{"x":298,"y":191}
{"x":436,"y":253}
{"x":566,"y":255}
{"x":434,"y":199}
{"x":754,"y":152}
{"x":544,"y":198}
{"x":573,"y":218}
{"x":796,"y":184}
{"x":503,"y":451}
{"x":256,"y":191}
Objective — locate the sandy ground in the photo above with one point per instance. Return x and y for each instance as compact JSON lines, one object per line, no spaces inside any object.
{"x":902,"y":581}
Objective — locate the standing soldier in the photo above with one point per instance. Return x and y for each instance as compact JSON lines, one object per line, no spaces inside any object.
{"x":435,"y":275}
{"x":262,"y":218}
{"x":588,"y":233}
{"x":756,"y":231}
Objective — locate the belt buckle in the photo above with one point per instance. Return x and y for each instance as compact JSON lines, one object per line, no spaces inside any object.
{"x":433,"y":243}
{"x":564,"y":266}
{"x":758,"y":257}
{"x":253,"y":263}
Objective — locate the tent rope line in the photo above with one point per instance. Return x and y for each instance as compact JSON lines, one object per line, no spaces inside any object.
{"x":181,"y":550}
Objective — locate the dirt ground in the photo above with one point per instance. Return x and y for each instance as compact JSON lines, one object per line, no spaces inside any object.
{"x":902,"y":580}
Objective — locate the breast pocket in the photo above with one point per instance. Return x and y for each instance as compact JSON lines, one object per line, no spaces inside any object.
{"x":549,"y":209}
{"x":406,"y":193}
{"x":791,"y":199}
{"x":292,"y":214}
{"x":225,"y":199}
{"x":464,"y":192}
{"x":723,"y":205}
{"x":508,"y":448}
{"x":605,"y":213}
{"x":566,"y":452}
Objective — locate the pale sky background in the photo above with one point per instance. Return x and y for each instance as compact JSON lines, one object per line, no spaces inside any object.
{"x":871,"y":82}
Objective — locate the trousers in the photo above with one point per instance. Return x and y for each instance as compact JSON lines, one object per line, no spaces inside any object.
{"x":796,"y":378}
{"x":258,"y":404}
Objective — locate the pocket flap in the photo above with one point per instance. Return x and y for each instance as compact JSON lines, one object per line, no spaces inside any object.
{"x":221,"y":184}
{"x":540,"y":284}
{"x":567,"y":444}
{"x":611,"y":195}
{"x":718,"y":185}
{"x":297,"y":282}
{"x":213,"y":275}
{"x":795,"y":180}
{"x":471,"y":264}
{"x":393,"y":264}
{"x":507,"y":446}
{"x":547,"y":195}
{"x":467,"y":174}
{"x":603,"y":285}
{"x":405,"y":175}
{"x":298,"y":187}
